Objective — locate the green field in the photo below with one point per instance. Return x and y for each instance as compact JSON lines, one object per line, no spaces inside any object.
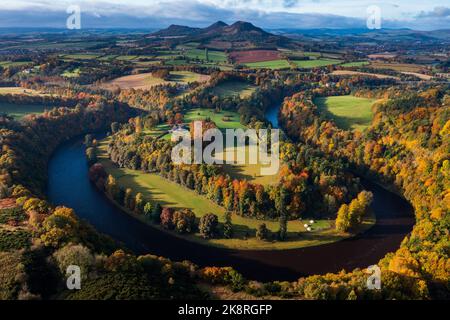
{"x":315,"y":63}
{"x":107,"y":57}
{"x":213,"y":56}
{"x":18,"y":111}
{"x":174,"y":77}
{"x":273,"y":64}
{"x":158,"y":131}
{"x":355,"y":64}
{"x":126,"y":58}
{"x":223,"y":119}
{"x":230,"y":120}
{"x":233,"y":88}
{"x":184,"y":76}
{"x":80,"y":56}
{"x":176,"y":62}
{"x":13,"y":63}
{"x":348,"y":112}
{"x":75,"y":73}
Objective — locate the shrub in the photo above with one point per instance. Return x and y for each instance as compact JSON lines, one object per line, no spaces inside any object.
{"x":12,"y":214}
{"x":14,"y":240}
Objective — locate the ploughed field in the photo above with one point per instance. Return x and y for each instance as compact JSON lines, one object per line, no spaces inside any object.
{"x":250,"y":56}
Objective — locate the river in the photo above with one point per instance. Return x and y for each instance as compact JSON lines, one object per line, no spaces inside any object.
{"x":69,"y":185}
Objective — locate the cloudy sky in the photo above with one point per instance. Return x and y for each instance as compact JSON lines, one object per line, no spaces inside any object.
{"x":302,"y":14}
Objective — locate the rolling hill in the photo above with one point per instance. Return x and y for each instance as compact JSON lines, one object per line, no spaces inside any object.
{"x":239,"y":35}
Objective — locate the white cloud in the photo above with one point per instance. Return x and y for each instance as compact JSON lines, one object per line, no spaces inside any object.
{"x":206,"y":11}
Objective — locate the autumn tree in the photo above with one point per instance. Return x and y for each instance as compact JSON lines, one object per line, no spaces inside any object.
{"x":343,"y":218}
{"x":156,"y":213}
{"x":166,"y":218}
{"x":282,"y":212}
{"x":139,"y":203}
{"x":208,"y":225}
{"x":129,"y":200}
{"x":60,"y":227}
{"x":228,"y":226}
{"x":184,"y":221}
{"x":148,"y":208}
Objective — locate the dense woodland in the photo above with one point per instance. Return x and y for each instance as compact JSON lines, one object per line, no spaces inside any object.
{"x":406,"y":148}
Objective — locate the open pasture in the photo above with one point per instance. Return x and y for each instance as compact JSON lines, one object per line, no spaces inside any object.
{"x":18,"y":111}
{"x":315,"y":63}
{"x":348,"y":112}
{"x":234,"y":88}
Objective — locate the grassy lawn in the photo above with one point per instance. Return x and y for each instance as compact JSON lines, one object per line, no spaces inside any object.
{"x":248,"y":171}
{"x":18,"y":111}
{"x":274,"y":64}
{"x":234,"y":88}
{"x":159,"y":130}
{"x":348,"y":112}
{"x":315,"y":63}
{"x":168,"y":193}
{"x":223,"y":119}
{"x":230,"y":120}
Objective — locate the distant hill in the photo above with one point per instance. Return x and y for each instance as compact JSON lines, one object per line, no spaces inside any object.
{"x":219,"y":35}
{"x":403,"y":34}
{"x":176,"y":31}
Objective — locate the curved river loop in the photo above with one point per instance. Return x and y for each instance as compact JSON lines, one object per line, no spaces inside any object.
{"x":68,"y":185}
